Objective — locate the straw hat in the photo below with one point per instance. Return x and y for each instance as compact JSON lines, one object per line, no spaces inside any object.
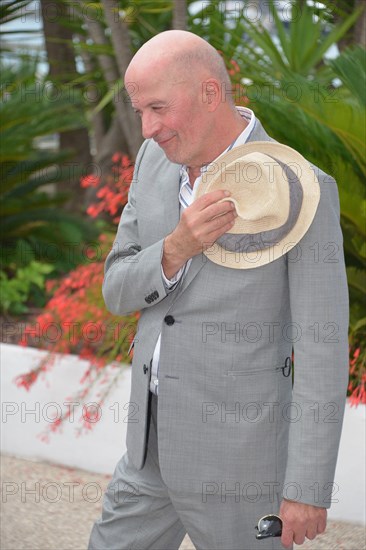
{"x":276,"y":195}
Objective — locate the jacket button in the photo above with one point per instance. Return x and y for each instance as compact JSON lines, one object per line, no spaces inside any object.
{"x":169,"y":320}
{"x":145,"y":369}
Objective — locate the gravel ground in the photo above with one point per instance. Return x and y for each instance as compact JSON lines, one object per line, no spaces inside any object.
{"x":49,"y":507}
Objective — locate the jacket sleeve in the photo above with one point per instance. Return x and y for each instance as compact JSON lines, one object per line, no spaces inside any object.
{"x":133,"y":276}
{"x":319,"y":313}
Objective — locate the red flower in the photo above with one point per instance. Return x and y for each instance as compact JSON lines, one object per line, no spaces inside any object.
{"x":26,"y":380}
{"x":235,"y":68}
{"x":91,"y":180}
{"x":116,"y":157}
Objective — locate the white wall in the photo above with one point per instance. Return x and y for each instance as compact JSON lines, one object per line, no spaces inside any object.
{"x":100,"y":449}
{"x":97,"y":451}
{"x":350,"y":473}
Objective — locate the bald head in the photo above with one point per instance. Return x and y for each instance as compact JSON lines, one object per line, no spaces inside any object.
{"x":181,"y":55}
{"x":179,"y":86}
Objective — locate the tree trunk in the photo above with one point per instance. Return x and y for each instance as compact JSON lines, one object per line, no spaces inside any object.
{"x":360,"y":25}
{"x":98,"y":128}
{"x":112,"y":142}
{"x":123,"y":52}
{"x":62,"y":69}
{"x":111,"y":75}
{"x":114,"y":139}
{"x":180,"y":15}
{"x":357,"y":33}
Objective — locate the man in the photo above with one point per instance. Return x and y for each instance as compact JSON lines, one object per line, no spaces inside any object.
{"x":217,"y":436}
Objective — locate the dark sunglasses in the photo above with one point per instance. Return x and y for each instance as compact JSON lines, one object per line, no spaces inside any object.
{"x":269,"y":526}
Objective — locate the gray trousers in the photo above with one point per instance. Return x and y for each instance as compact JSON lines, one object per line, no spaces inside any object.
{"x":141,"y":513}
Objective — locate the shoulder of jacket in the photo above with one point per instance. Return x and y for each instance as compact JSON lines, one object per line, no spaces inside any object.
{"x":149,"y":151}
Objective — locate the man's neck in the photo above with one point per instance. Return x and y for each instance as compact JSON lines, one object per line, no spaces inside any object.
{"x":231,"y":136}
{"x":194,"y":172}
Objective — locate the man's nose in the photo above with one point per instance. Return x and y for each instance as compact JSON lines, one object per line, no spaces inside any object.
{"x":150,"y":125}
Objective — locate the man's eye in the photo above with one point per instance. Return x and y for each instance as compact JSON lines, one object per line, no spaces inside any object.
{"x":157,"y":108}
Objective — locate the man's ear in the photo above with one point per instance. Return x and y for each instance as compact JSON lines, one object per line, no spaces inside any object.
{"x":211,"y":93}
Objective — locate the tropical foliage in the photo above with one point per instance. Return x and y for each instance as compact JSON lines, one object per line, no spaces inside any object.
{"x":24,"y":286}
{"x":304,"y":99}
{"x":31,"y":218}
{"x":75,"y":320}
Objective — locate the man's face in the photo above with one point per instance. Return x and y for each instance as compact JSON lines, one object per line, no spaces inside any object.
{"x":172,"y":113}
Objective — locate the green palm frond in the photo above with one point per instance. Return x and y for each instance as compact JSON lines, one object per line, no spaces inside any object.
{"x":30,"y":206}
{"x":10,"y":10}
{"x":350,"y":68}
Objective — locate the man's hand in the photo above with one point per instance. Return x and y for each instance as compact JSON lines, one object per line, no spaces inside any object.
{"x":300,"y":521}
{"x":200,"y":225}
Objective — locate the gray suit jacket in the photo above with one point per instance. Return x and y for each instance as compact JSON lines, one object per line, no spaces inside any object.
{"x":228,"y":414}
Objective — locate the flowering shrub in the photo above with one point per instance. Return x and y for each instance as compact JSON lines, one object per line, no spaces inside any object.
{"x":357,"y":374}
{"x":112,"y":196}
{"x":75,"y":320}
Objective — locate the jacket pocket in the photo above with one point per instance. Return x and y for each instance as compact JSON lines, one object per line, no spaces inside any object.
{"x":250,"y":372}
{"x":285,"y":368}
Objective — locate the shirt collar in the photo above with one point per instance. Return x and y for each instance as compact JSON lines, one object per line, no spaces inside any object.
{"x":242,"y":138}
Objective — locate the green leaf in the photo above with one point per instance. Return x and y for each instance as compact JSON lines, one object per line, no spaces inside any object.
{"x":356,"y":279}
{"x":109,"y":96}
{"x":350,"y":68}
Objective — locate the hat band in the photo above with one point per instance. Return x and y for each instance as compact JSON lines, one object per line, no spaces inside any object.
{"x":248,"y":242}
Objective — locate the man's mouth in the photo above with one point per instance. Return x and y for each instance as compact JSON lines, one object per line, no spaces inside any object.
{"x":162,"y":142}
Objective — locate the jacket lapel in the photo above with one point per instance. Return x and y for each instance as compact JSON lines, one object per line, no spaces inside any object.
{"x":196,"y":265}
{"x":159,"y":195}
{"x":169,"y":189}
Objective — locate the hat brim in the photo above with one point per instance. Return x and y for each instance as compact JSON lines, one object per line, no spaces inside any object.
{"x":311,"y":196}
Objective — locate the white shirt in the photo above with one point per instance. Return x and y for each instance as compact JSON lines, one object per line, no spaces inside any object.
{"x":184,"y":181}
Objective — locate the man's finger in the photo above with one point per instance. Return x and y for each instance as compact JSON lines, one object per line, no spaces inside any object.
{"x":219,"y":222}
{"x":311,"y":533}
{"x":322,"y":523}
{"x":287,"y":538}
{"x":299,"y":538}
{"x":214,"y":235}
{"x":217,"y":209}
{"x":211,"y":198}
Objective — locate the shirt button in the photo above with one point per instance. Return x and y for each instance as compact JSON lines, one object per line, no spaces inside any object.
{"x":169,"y":320}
